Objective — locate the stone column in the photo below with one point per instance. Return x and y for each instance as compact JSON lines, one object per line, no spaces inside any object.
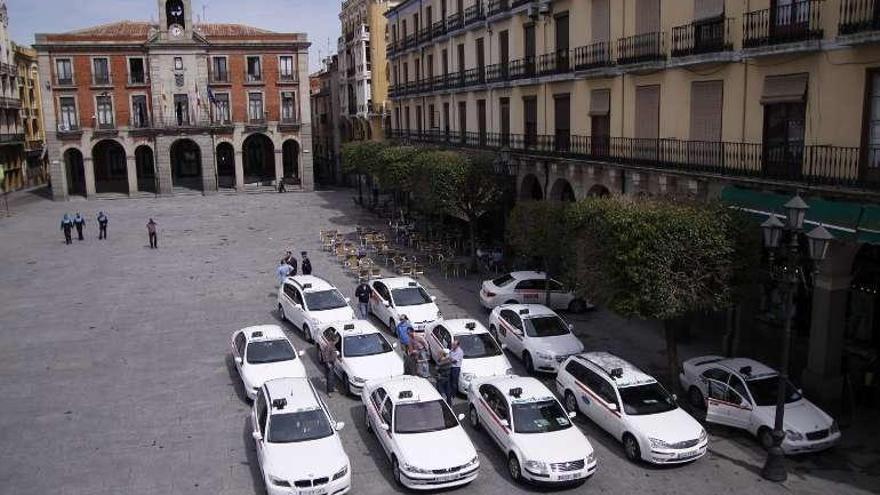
{"x":209,"y":164}
{"x":89,"y":170}
{"x":279,"y":164}
{"x":239,"y":170}
{"x":162,"y":163}
{"x":306,"y":166}
{"x":58,"y":176}
{"x":822,"y":378}
{"x":131,"y":171}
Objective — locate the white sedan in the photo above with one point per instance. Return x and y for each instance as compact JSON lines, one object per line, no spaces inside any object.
{"x":742,"y":393}
{"x":530,"y":426}
{"x":394,"y":297}
{"x":364,"y":354}
{"x":535,"y":334}
{"x":296,"y":440}
{"x":483,"y":356}
{"x":529,"y":287}
{"x":309,"y":302}
{"x":422,"y":437}
{"x":262,"y":353}
{"x":632,"y":407}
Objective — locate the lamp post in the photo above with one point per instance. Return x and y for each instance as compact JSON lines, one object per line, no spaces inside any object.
{"x":818,"y":241}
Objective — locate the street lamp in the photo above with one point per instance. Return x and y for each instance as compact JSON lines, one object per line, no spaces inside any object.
{"x":818,"y":241}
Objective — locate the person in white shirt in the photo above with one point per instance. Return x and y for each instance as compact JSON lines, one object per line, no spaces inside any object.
{"x":457,"y":356}
{"x":282,"y":271}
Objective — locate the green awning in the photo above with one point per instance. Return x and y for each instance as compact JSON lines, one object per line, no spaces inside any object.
{"x":869,"y":225}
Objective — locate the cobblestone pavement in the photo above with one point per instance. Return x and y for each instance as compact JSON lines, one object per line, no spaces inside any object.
{"x":116,"y":379}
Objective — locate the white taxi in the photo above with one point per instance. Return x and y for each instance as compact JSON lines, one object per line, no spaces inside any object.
{"x":535,"y":334}
{"x":631,"y":406}
{"x":419,"y":433}
{"x":532,"y":429}
{"x":262,"y":353}
{"x":528,"y":287}
{"x":296,"y":439}
{"x":308,"y":302}
{"x":483,"y":356}
{"x":742,"y":393}
{"x":364,"y":354}
{"x":396,"y":296}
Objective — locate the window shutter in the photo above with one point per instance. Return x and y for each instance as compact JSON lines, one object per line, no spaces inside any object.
{"x":706,"y":107}
{"x":601,"y":20}
{"x":600,"y":102}
{"x":647,"y":112}
{"x":708,"y":9}
{"x":784,"y":89}
{"x":647,"y":16}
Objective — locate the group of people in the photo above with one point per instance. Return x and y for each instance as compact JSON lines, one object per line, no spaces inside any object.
{"x":288,"y":264}
{"x":447,"y":373}
{"x":78,"y":222}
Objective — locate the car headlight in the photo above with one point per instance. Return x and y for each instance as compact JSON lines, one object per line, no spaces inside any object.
{"x":793,"y":435}
{"x":473,"y":461}
{"x":656,"y":442}
{"x":703,"y":435}
{"x":414,"y":469}
{"x":536,"y":466}
{"x":279,"y":482}
{"x":545,"y":355}
{"x":591,"y":458}
{"x":340,"y":473}
{"x":835,"y":428}
{"x":509,"y":371}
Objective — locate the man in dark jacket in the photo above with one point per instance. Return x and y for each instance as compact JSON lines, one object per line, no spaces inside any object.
{"x":67,"y":227}
{"x":306,"y":264}
{"x":79,"y":222}
{"x":362,"y":293}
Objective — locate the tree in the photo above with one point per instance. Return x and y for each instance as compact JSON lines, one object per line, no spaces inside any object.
{"x":654,"y":259}
{"x":397,"y":171}
{"x":540,"y":229}
{"x":363,"y":158}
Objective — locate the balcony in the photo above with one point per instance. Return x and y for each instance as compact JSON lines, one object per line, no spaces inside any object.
{"x":218,"y":77}
{"x":474,"y":13}
{"x":391,"y":48}
{"x":557,"y":62}
{"x":796,"y":22}
{"x":12,"y":138}
{"x":830,"y":166}
{"x":859,"y":16}
{"x":702,"y":37}
{"x":648,"y":47}
{"x":66,"y":82}
{"x":253,"y":78}
{"x":498,"y":72}
{"x":496,"y":7}
{"x":7,"y":102}
{"x":289,"y":123}
{"x":8,"y":69}
{"x":593,"y":56}
{"x":454,"y":21}
{"x":101,"y":81}
{"x":438,"y":29}
{"x":181,"y":123}
{"x":426,"y":34}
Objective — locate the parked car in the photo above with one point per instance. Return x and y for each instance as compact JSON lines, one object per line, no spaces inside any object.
{"x":530,"y":287}
{"x":483,"y":356}
{"x":393,"y":297}
{"x":535,"y":334}
{"x":308,"y":302}
{"x":262,"y":353}
{"x":364,"y":354}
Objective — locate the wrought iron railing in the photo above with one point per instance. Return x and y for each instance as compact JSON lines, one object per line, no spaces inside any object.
{"x":474,"y":13}
{"x":797,"y":21}
{"x":557,"y":62}
{"x":454,"y":21}
{"x":700,"y":37}
{"x":497,"y":6}
{"x":592,"y":56}
{"x":438,"y":28}
{"x":858,"y":16}
{"x":646,"y":47}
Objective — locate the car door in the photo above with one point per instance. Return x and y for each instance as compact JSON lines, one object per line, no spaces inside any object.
{"x":726,"y":406}
{"x":260,"y":419}
{"x":239,"y":340}
{"x":601,"y":403}
{"x":378,"y":298}
{"x":386,"y":416}
{"x":287,"y":300}
{"x":560,"y":297}
{"x":438,"y":341}
{"x":530,"y":291}
{"x":510,"y":327}
{"x":296,"y":315}
{"x":493,"y":413}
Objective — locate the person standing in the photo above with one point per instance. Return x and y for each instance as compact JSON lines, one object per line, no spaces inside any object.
{"x":102,"y":225}
{"x":153,"y":234}
{"x":403,"y":329}
{"x":282,"y":272}
{"x":306,"y":264}
{"x":456,"y":356}
{"x":362,"y":294}
{"x":329,"y":354}
{"x":67,"y":227}
{"x":443,"y":372}
{"x":291,"y":260}
{"x":418,"y":354}
{"x":288,"y":258}
{"x":79,"y":222}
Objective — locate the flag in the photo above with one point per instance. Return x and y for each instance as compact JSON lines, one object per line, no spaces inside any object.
{"x":211,"y":96}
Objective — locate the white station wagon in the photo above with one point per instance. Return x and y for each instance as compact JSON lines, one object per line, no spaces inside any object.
{"x":528,"y":287}
{"x":532,"y":429}
{"x":422,"y":437}
{"x":308,"y":302}
{"x":535,"y":334}
{"x":742,"y":393}
{"x":631,"y":406}
{"x":483,"y":356}
{"x":263,"y":353}
{"x":396,"y":296}
{"x":364,"y":354}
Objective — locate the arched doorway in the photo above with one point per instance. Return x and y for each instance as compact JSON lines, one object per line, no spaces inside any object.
{"x":259,"y":159}
{"x":75,"y":171}
{"x":108,"y":159}
{"x":598,"y":191}
{"x":146,"y":169}
{"x":186,"y":164}
{"x":530,"y":189}
{"x":290,"y":156}
{"x":225,"y":165}
{"x":562,"y":191}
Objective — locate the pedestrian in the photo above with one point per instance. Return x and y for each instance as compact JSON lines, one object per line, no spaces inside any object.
{"x":443,"y":372}
{"x":306,"y":264}
{"x":281,"y":187}
{"x":153,"y":234}
{"x":403,"y":329}
{"x":456,"y":356}
{"x":79,"y":222}
{"x":67,"y":227}
{"x":102,"y":225}
{"x":418,"y":354}
{"x":329,"y":354}
{"x":362,"y":294}
{"x":282,"y":272}
{"x":288,"y":258}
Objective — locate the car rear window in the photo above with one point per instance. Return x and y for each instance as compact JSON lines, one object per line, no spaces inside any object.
{"x":503,"y":280}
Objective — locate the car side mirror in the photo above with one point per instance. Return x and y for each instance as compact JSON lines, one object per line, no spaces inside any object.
{"x":503,"y":346}
{"x":301,"y":353}
{"x":347,"y":299}
{"x":385,"y":426}
{"x":800,"y":391}
{"x":433,"y":298}
{"x":571,"y":327}
{"x":394,"y":345}
{"x":572,"y":414}
{"x":297,"y":306}
{"x":460,"y":417}
{"x":257,"y":436}
{"x":386,"y":304}
{"x":674,"y":397}
{"x":505,"y":423}
{"x":238,"y":360}
{"x":340,"y":425}
{"x":613,"y":407}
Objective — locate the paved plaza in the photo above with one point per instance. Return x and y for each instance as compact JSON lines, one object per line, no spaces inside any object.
{"x":115,"y":374}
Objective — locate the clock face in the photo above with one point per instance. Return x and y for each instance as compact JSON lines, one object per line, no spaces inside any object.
{"x":176,"y":30}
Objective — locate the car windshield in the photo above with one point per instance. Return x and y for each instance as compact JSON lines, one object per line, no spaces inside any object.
{"x":546,"y":326}
{"x":478,"y":346}
{"x":365,"y":345}
{"x":503,"y":280}
{"x":539,"y":417}
{"x":651,"y":398}
{"x":270,"y":351}
{"x":299,"y":426}
{"x":410,"y":296}
{"x":423,"y":417}
{"x":765,"y":390}
{"x":325,"y":299}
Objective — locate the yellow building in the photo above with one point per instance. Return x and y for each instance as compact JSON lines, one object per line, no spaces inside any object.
{"x":11,"y":135}
{"x":747,"y":100}
{"x":36,"y":171}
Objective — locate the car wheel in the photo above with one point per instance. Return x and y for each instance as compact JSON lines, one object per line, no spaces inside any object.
{"x":695,"y":397}
{"x":570,"y":401}
{"x":765,"y":437}
{"x":281,"y":313}
{"x":475,"y":420}
{"x":577,"y":306}
{"x":367,"y":420}
{"x":513,"y":468}
{"x":307,"y":334}
{"x":395,"y":471}
{"x":527,"y":361}
{"x":631,"y":448}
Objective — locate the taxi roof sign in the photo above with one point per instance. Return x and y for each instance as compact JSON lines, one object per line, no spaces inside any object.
{"x":279,"y":403}
{"x":524,"y":311}
{"x":516,"y":392}
{"x":256,"y":335}
{"x":470,"y":325}
{"x":413,"y":284}
{"x":616,"y":373}
{"x":405,"y":394}
{"x":348,"y":326}
{"x":307,"y":286}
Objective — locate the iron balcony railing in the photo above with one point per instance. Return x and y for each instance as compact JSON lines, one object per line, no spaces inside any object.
{"x":701,"y":37}
{"x":498,"y":72}
{"x":12,"y":138}
{"x":811,"y":164}
{"x":391,"y":47}
{"x":426,"y":34}
{"x":438,"y":28}
{"x":474,"y":13}
{"x":593,"y":56}
{"x":646,"y":47}
{"x":497,"y":6}
{"x":797,"y":21}
{"x":410,"y":40}
{"x":557,"y":62}
{"x":454,"y":21}
{"x":858,"y":16}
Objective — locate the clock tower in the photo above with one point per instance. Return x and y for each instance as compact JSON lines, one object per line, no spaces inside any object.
{"x":175,"y":19}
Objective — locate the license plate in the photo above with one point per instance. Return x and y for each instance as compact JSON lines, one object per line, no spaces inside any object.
{"x":448,"y":477}
{"x":312,"y":491}
{"x":688,"y":454}
{"x":568,"y":477}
